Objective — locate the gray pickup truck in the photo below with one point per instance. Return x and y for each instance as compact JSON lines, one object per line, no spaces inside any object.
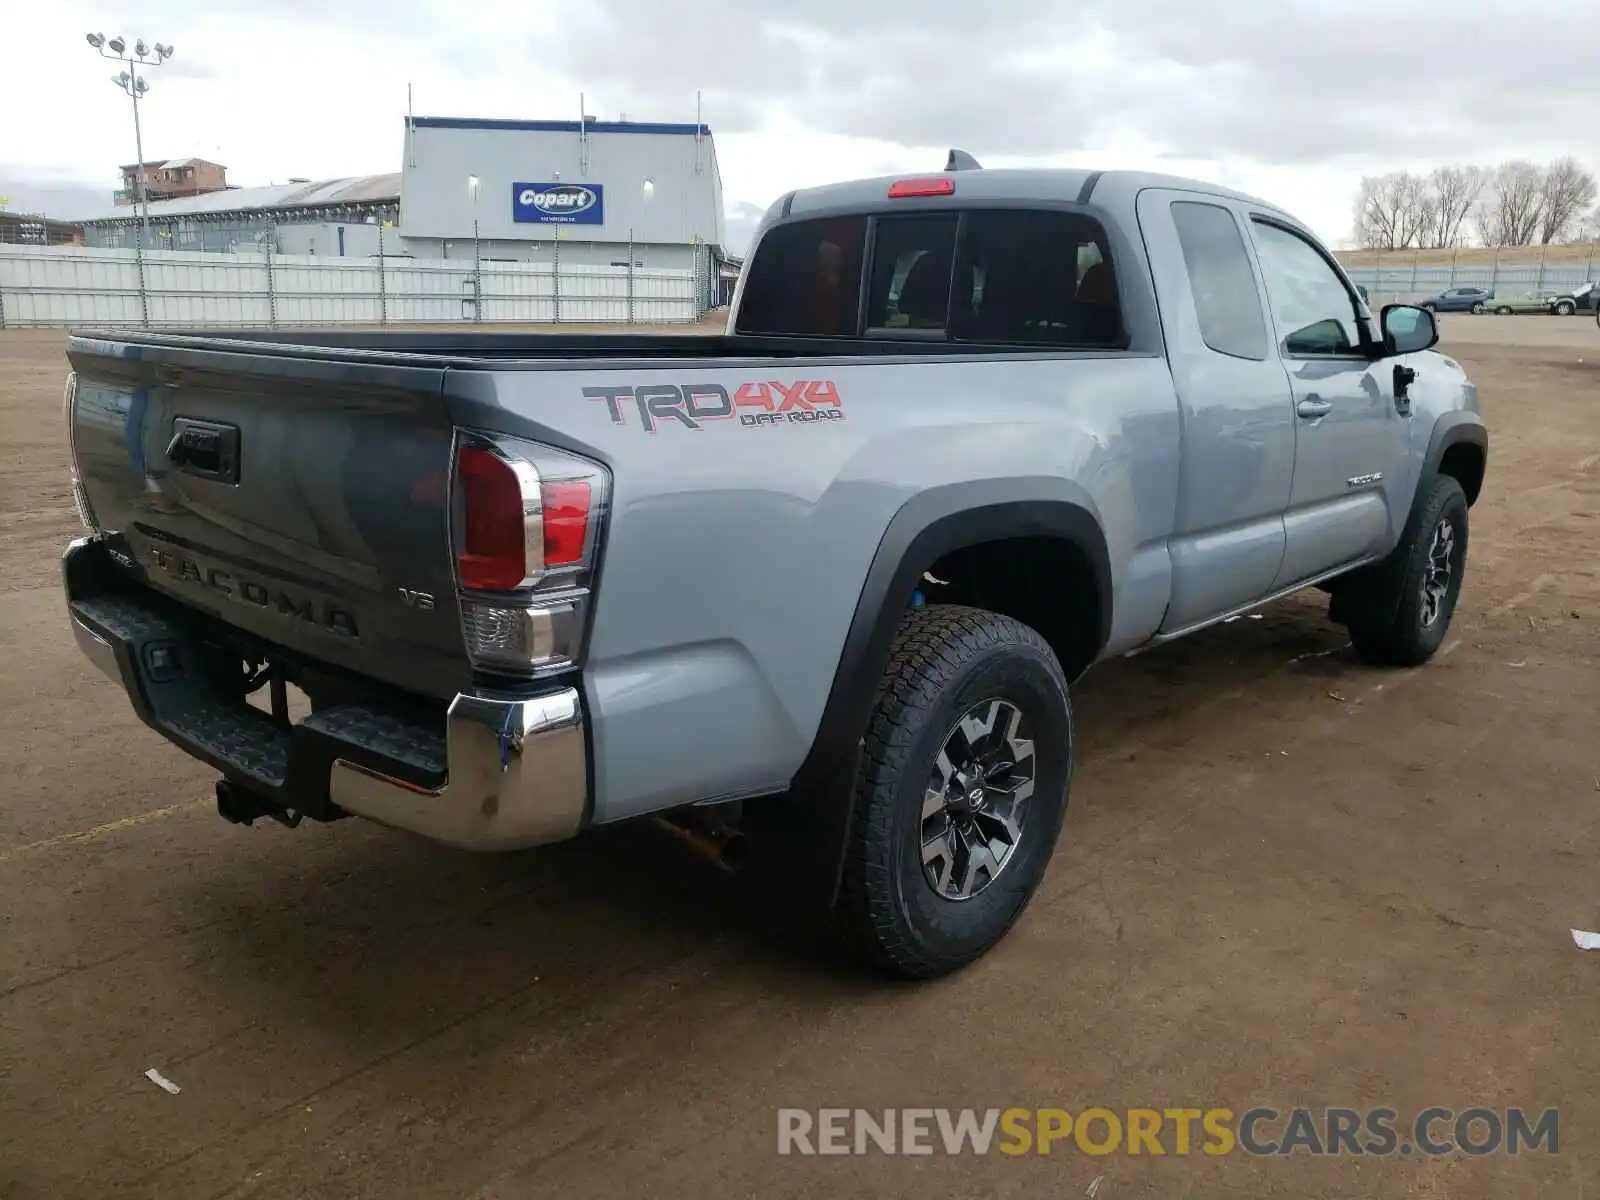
{"x":828,"y":575}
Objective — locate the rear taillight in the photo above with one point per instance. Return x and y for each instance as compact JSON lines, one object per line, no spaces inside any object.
{"x":526,"y":529}
{"x":566,"y":521}
{"x":69,"y":414}
{"x":494,"y":519}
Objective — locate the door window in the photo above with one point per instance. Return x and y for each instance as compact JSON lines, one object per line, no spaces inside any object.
{"x":1315,"y":311}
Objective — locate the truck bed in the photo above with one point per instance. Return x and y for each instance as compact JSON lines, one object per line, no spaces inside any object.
{"x":531,"y":350}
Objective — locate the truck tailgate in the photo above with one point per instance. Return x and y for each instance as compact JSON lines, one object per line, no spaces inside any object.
{"x":302,"y":499}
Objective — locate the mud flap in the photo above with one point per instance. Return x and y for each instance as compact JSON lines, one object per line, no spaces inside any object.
{"x":798,"y":838}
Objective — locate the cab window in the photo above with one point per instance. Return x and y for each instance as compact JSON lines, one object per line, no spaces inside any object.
{"x":1036,"y":278}
{"x":910,"y":288}
{"x":1226,"y":300}
{"x":1004,"y":276}
{"x":805,"y":280}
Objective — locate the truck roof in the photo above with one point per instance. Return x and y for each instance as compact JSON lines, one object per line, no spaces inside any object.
{"x":1012,"y":183}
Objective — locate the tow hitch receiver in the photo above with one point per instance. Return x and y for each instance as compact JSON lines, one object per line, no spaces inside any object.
{"x":242,"y":806}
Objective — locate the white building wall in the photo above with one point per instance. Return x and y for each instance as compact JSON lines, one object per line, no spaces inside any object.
{"x":442,"y":154}
{"x":335,"y":238}
{"x":573,"y":253}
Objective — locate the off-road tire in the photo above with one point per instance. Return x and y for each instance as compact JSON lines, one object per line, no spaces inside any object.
{"x":1387,"y":623}
{"x":944,"y":660}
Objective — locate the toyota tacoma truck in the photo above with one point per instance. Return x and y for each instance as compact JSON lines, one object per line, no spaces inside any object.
{"x":821,"y":582}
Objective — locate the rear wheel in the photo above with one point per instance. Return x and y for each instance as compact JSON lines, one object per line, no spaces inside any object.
{"x":1503,"y":310}
{"x":1478,"y":308}
{"x":961,"y":792}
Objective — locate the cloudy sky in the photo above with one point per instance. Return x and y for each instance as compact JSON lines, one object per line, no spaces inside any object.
{"x":1290,"y":99}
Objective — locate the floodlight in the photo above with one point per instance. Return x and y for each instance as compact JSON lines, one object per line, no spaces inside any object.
{"x":117,"y":45}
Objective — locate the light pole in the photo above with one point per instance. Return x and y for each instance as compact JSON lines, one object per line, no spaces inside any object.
{"x":477,"y":263}
{"x":646,"y":190}
{"x":133,"y":83}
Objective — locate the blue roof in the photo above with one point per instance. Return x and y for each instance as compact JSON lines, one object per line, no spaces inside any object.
{"x":657,"y":127}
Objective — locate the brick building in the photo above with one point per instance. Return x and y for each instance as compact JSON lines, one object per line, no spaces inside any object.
{"x":171,"y":178}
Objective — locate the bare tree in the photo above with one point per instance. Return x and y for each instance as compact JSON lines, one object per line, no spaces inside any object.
{"x":1517,"y":203}
{"x":1512,"y":211}
{"x":1374,"y":217}
{"x":1568,"y":192}
{"x":1430,"y":218}
{"x":1454,"y":191}
{"x":1390,"y":210}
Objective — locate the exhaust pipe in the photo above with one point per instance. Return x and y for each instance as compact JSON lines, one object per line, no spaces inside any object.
{"x":720,"y":844}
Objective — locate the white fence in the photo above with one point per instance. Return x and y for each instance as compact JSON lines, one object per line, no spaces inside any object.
{"x":75,"y":286}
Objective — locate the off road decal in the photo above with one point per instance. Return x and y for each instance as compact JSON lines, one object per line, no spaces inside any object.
{"x":693,"y":405}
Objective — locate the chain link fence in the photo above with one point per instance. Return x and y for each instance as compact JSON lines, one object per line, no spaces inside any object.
{"x":67,"y":286}
{"x":1512,"y":272}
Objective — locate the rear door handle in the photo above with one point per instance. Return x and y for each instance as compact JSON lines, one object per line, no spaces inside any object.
{"x":1311,"y":409}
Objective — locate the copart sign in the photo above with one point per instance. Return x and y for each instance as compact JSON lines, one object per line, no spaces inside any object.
{"x":558,"y":203}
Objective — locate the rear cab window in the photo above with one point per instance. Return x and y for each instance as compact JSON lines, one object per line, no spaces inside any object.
{"x":911,"y":261}
{"x":1016,"y":277}
{"x":805,"y":280}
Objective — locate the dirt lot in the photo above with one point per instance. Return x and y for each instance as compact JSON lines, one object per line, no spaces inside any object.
{"x":1286,"y":879}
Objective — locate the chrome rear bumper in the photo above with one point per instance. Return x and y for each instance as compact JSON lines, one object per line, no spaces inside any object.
{"x":507,"y":772}
{"x":517,"y":777}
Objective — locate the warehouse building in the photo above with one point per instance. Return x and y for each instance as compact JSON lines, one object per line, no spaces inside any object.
{"x":581,"y":193}
{"x":36,"y":229}
{"x":330,"y":216}
{"x":584,"y":190}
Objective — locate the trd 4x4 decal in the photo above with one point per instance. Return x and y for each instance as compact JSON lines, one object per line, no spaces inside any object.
{"x":693,"y":404}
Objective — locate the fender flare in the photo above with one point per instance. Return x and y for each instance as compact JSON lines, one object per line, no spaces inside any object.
{"x":1453,"y":429}
{"x":927,"y":527}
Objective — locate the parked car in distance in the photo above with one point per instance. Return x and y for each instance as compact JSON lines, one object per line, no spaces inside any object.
{"x":1506,"y":306}
{"x":1583,"y":298}
{"x":1460,"y":299}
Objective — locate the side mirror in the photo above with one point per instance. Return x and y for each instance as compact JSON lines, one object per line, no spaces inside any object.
{"x":1408,"y":329}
